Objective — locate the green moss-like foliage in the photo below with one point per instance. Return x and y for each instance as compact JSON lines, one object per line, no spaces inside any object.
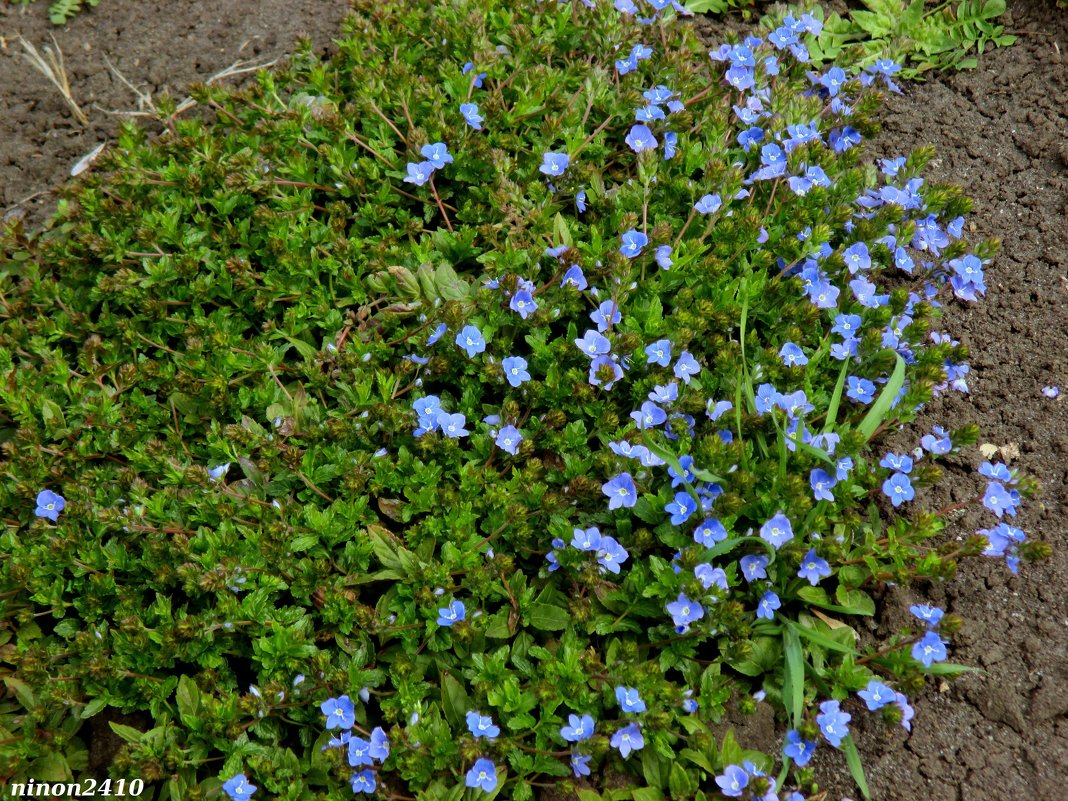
{"x":256,"y":290}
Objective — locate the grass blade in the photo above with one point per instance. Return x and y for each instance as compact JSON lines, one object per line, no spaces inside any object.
{"x":881,"y":407}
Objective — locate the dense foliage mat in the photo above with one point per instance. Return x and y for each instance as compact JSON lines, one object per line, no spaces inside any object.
{"x":492,"y":402}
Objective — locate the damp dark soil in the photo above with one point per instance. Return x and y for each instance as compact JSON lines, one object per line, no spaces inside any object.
{"x":1001,"y":131}
{"x":158,"y":46}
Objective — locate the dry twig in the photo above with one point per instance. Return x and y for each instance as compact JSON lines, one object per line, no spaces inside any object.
{"x":51,"y":66}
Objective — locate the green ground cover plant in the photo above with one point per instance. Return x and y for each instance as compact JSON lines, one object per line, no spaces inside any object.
{"x":496,"y":403}
{"x":62,"y":11}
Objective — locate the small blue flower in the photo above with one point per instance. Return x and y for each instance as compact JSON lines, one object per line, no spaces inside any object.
{"x":663,"y":257}
{"x":777,"y":531}
{"x":659,"y":352}
{"x":339,"y":712}
{"x":898,"y":489}
{"x":754,"y":567}
{"x":482,"y":776}
{"x":593,"y":344}
{"x":364,"y":781}
{"x":733,"y":781}
{"x":683,"y":611}
{"x":49,"y":504}
{"x":930,"y":649}
{"x":477,"y":82}
{"x":508,"y":439}
{"x":437,"y":154}
{"x":648,"y":416}
{"x":681,"y":508}
{"x":586,"y":539}
{"x":610,"y":554}
{"x":438,"y":332}
{"x":580,"y":765}
{"x":216,"y":474}
{"x":578,"y":728}
{"x":710,"y":532}
{"x":633,"y":242}
{"x":792,"y":355}
{"x":606,"y":315}
{"x":671,"y":144}
{"x":554,"y":163}
{"x":767,"y":606}
{"x":860,"y":389}
{"x":798,"y":749}
{"x":629,"y":699}
{"x":813,"y":568}
{"x":359,"y":752}
{"x":523,"y":302}
{"x":574,"y":277}
{"x":939,"y":443}
{"x":711,"y":577}
{"x":452,"y":425}
{"x":482,"y":725}
{"x":470,"y":339}
{"x":999,"y":500}
{"x":419,"y":173}
{"x":641,"y":138}
{"x":899,"y":462}
{"x":238,"y":787}
{"x":471,"y":115}
{"x":822,"y":484}
{"x":451,"y":613}
{"x":379,"y":744}
{"x":628,"y":739}
{"x":709,"y":204}
{"x":931,"y":615}
{"x":833,"y":722}
{"x":515,"y":370}
{"x":876,"y":695}
{"x":621,"y":491}
{"x":580,"y":201}
{"x":686,"y":366}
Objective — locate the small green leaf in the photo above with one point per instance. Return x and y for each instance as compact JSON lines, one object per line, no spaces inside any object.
{"x":188,"y":697}
{"x":547,"y":617}
{"x":881,"y":407}
{"x":454,"y":701}
{"x":794,"y":679}
{"x":856,"y":769}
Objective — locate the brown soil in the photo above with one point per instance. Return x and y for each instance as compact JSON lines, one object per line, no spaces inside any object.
{"x":159,"y":46}
{"x":1001,"y":131}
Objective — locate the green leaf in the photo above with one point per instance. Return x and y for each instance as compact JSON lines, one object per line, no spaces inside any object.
{"x":648,"y":794}
{"x":950,"y":669}
{"x":881,"y":407}
{"x":793,"y":690}
{"x":857,"y":602}
{"x":454,"y":701}
{"x":560,"y":229}
{"x":856,"y":769}
{"x":128,"y":733}
{"x":820,"y":639}
{"x":681,"y":783}
{"x":651,"y":771}
{"x":836,"y":399}
{"x":547,"y":617}
{"x":188,"y":697}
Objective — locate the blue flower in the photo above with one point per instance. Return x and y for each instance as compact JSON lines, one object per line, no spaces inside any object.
{"x":477,"y":82}
{"x":633,"y":242}
{"x":663,"y":258}
{"x":767,"y":606}
{"x":554,"y":163}
{"x":524,"y":303}
{"x":238,"y":787}
{"x":659,"y":352}
{"x":754,"y":567}
{"x":683,"y":611}
{"x":709,"y":204}
{"x":777,"y":531}
{"x":593,"y":344}
{"x":641,"y":138}
{"x":580,"y":204}
{"x":359,"y":752}
{"x":860,"y":389}
{"x":620,"y":491}
{"x":686,"y":366}
{"x":437,"y":154}
{"x":628,"y":739}
{"x":438,"y":332}
{"x":600,"y":363}
{"x":606,"y":315}
{"x":574,"y":277}
{"x":856,"y":257}
{"x":586,"y":539}
{"x":419,"y":173}
{"x":671,"y":143}
{"x":649,"y":415}
{"x":515,"y":370}
{"x":364,"y":781}
{"x":49,"y":504}
{"x":452,"y":425}
{"x":481,"y":725}
{"x":471,"y":115}
{"x":611,"y":554}
{"x":792,"y":355}
{"x":580,"y":765}
{"x":813,"y":568}
{"x":451,"y":613}
{"x":379,"y":744}
{"x":876,"y":695}
{"x":508,"y":439}
{"x":999,"y":500}
{"x":711,"y":576}
{"x":798,"y":749}
{"x":822,"y":484}
{"x":898,"y":489}
{"x":733,"y":781}
{"x":931,"y":615}
{"x":681,"y":508}
{"x":899,"y":462}
{"x":216,"y":474}
{"x":482,"y":776}
{"x":710,"y":532}
{"x":689,"y":706}
{"x":932,"y":648}
{"x":339,"y":712}
{"x":833,"y":722}
{"x":470,"y":339}
{"x":578,"y":728}
{"x":629,"y":699}
{"x":938,"y":443}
